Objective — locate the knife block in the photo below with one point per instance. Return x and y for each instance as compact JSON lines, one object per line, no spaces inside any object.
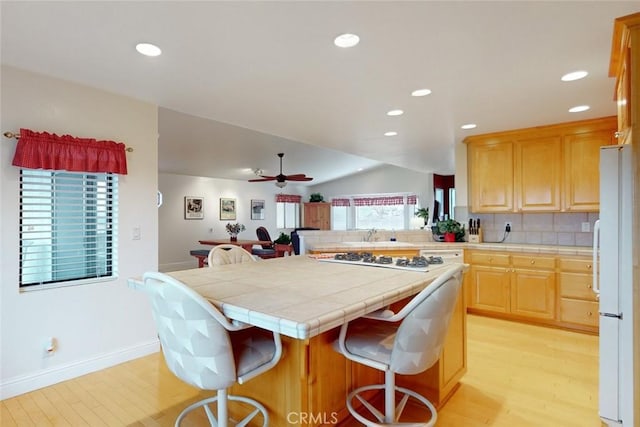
{"x":476,"y":238}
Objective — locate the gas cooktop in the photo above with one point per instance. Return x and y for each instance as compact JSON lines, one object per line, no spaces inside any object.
{"x":417,"y":263}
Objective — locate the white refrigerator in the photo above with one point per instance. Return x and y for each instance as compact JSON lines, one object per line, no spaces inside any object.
{"x":613,"y":281}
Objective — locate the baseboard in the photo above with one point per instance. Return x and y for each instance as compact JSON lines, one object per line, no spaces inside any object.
{"x":26,"y":383}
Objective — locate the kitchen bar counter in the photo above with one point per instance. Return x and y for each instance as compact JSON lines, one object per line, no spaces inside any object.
{"x":439,"y":246}
{"x":301,"y":297}
{"x":306,"y":300}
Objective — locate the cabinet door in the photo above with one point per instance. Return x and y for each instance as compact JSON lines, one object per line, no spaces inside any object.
{"x":489,"y":288}
{"x":533,"y":293}
{"x":623,"y":99}
{"x":491,"y":177}
{"x":538,"y":174}
{"x":582,"y":170}
{"x":317,"y":215}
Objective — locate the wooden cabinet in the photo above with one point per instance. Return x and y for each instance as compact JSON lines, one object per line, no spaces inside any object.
{"x":538,"y":174}
{"x":514,"y":286}
{"x":489,"y":281}
{"x":317,"y":215}
{"x":533,"y":286}
{"x":581,"y":159}
{"x":545,"y":289}
{"x":578,"y":302}
{"x":625,"y":48}
{"x":491,"y":166}
{"x":551,"y":168}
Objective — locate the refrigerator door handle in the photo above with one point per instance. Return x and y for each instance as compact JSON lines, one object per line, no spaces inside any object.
{"x":596,"y":248}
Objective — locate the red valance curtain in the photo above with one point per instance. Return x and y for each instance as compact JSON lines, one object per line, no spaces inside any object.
{"x":379,"y":201}
{"x":43,"y":150}
{"x":340,"y":202}
{"x":412,"y":199}
{"x":288,"y":198}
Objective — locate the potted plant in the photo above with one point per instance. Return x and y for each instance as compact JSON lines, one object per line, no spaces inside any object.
{"x":451,"y":229}
{"x":283,"y":239}
{"x":283,"y":244}
{"x":424,"y":214}
{"x":316,"y":197}
{"x":234,"y":230}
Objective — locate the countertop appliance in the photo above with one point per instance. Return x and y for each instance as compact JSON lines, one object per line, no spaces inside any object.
{"x":613,"y":282}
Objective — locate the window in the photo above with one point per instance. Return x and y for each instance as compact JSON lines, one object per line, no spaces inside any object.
{"x":288,"y":211}
{"x":390,"y":212}
{"x":68,"y":227}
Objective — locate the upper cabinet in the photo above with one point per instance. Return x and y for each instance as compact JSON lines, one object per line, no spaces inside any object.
{"x":626,"y":44}
{"x":492,"y":165}
{"x":551,"y":168}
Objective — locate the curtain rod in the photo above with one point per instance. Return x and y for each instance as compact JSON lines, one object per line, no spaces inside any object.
{"x":17,"y":135}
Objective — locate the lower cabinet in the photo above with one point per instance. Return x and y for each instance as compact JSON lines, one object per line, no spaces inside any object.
{"x":536,"y":288}
{"x":578,"y":302}
{"x":515,"y":285}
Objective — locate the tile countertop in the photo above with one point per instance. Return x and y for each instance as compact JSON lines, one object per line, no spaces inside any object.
{"x":298,"y":296}
{"x":508,"y":247}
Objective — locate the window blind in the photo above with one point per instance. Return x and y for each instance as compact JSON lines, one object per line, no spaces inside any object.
{"x":68,"y":226}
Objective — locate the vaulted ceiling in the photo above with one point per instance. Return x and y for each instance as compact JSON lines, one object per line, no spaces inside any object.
{"x":239,"y":82}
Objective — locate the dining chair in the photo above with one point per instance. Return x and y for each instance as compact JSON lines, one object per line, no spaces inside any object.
{"x":408,"y":343}
{"x":208,"y":351}
{"x":228,"y":254}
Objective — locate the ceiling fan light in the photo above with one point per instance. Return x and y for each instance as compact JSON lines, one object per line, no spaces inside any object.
{"x":281,"y":184}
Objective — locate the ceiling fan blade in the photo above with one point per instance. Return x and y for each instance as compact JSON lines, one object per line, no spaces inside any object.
{"x":298,"y":178}
{"x":296,"y":175}
{"x":264,"y":178}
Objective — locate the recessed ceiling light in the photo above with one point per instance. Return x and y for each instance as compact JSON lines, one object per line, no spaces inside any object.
{"x":579,"y":109}
{"x":346,"y":40}
{"x":148,"y":49}
{"x":395,"y":113}
{"x":421,"y":92}
{"x":391,"y":133}
{"x":468,"y":126}
{"x":360,"y":169}
{"x":575,"y":75}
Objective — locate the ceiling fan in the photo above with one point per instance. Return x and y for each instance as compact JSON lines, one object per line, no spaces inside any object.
{"x":281,"y":179}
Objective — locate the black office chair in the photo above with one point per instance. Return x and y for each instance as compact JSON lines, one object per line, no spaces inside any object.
{"x":267,"y":250}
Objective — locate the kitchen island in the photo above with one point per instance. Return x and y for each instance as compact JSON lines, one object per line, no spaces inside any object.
{"x":306,"y":301}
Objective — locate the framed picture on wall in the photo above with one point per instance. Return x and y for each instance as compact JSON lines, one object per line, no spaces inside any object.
{"x":257,"y":209}
{"x":227,"y":208}
{"x":193,"y":207}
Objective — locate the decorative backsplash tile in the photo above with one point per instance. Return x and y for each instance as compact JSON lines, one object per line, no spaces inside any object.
{"x":563,"y":229}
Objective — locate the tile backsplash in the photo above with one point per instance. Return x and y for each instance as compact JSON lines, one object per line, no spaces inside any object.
{"x":535,"y":228}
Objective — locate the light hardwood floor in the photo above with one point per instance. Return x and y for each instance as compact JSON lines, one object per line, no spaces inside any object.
{"x":519,"y":375}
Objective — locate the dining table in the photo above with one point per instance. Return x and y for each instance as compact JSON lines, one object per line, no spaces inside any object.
{"x":306,"y":300}
{"x":247,"y":245}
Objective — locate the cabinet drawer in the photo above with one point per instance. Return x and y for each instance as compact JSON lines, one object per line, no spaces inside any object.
{"x":487,"y":258}
{"x":579,"y":311}
{"x":578,"y":265}
{"x":533,"y":261}
{"x":576,"y":285}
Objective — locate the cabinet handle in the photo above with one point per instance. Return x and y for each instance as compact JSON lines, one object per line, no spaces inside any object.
{"x":533,"y":261}
{"x":589,"y":286}
{"x":617,"y":134}
{"x":588,"y":266}
{"x":589,"y":314}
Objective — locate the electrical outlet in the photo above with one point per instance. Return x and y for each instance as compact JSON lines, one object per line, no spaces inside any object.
{"x":507,"y":226}
{"x":586,"y":227}
{"x":135,"y":233}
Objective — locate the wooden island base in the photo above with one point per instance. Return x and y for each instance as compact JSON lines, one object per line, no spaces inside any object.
{"x":309,"y":385}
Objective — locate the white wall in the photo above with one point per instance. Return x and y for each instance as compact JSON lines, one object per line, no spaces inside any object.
{"x":383,"y":179}
{"x":95,"y":325}
{"x":178,"y":236}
